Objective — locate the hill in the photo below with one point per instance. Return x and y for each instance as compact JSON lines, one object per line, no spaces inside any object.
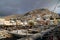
{"x":37,"y":12}
{"x":33,"y":13}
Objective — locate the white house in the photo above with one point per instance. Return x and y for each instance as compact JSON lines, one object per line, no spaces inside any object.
{"x":2,"y":21}
{"x":7,"y":23}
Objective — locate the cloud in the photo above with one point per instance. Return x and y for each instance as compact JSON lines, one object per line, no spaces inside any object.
{"x":22,"y":6}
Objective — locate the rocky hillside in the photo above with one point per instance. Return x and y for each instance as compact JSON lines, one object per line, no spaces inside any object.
{"x":40,"y":12}
{"x":12,"y":16}
{"x":33,"y":13}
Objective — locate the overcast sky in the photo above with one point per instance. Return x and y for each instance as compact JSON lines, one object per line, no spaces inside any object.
{"x":8,"y":7}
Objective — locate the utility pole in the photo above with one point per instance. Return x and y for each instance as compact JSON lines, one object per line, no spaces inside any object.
{"x":54,"y":10}
{"x":56,"y":5}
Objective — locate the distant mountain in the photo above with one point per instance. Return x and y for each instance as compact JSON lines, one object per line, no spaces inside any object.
{"x":5,"y":13}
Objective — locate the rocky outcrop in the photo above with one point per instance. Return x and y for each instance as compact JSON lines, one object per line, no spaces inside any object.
{"x":41,"y":12}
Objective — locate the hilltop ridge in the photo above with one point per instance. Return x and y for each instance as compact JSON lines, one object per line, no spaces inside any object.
{"x":35,"y":12}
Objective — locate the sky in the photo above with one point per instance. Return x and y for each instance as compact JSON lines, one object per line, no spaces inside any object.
{"x":9,"y":7}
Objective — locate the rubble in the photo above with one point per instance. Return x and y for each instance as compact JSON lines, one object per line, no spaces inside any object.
{"x":4,"y":34}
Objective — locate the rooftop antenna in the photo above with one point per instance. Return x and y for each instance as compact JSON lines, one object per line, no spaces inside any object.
{"x":55,"y":8}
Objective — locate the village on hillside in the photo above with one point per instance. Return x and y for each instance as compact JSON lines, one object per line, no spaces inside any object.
{"x":38,"y":16}
{"x":31,"y":23}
